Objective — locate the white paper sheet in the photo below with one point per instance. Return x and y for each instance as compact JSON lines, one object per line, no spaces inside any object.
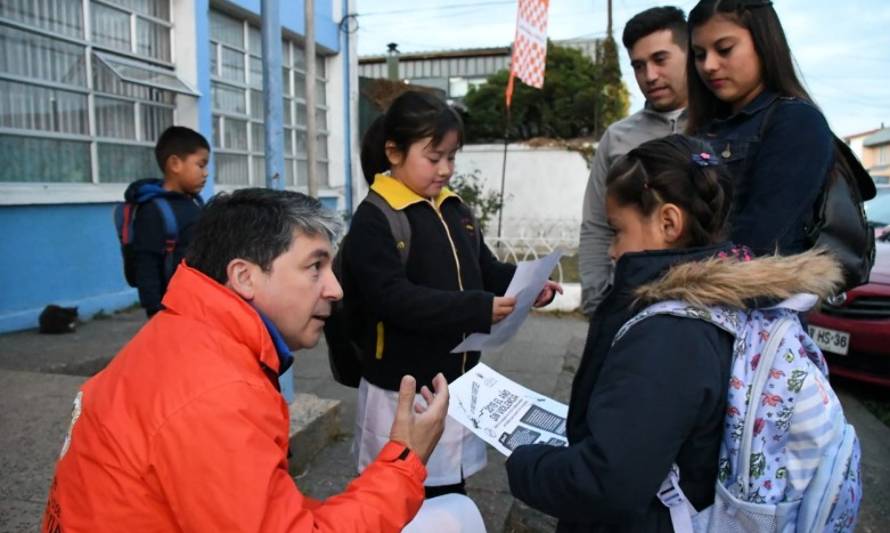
{"x":503,"y":413}
{"x":527,"y":283}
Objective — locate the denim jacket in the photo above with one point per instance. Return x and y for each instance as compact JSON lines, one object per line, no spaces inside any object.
{"x":777,"y":176}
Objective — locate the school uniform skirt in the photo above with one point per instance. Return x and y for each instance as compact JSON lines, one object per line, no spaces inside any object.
{"x":458,"y":455}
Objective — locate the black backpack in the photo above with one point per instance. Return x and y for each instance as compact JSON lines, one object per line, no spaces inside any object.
{"x":343,"y":328}
{"x":838,"y":223}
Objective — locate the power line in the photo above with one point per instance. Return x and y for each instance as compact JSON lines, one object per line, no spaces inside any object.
{"x":461,"y":10}
{"x":435,"y":8}
{"x":430,"y":21}
{"x":424,"y":20}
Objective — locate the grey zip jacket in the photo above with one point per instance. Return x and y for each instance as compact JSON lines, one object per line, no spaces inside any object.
{"x":593,"y":252}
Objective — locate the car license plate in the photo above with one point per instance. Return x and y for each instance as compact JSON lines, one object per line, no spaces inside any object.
{"x":830,"y":340}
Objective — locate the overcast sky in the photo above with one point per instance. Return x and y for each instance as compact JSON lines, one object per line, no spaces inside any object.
{"x":841,"y":46}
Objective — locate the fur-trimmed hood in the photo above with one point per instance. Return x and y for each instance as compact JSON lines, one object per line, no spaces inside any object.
{"x":737,"y":282}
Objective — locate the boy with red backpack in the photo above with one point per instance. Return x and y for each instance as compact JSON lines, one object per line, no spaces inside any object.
{"x":155,"y":222}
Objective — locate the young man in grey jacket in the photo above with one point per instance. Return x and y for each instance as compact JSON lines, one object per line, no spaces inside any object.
{"x":656,"y":41}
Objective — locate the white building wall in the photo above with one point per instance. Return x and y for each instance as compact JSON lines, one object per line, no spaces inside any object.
{"x":544,"y":188}
{"x":856,"y":145}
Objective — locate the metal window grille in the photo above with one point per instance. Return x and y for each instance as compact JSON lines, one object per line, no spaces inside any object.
{"x":86,"y":87}
{"x":238,"y":111}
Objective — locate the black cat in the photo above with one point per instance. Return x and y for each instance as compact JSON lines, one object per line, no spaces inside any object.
{"x":57,"y":319}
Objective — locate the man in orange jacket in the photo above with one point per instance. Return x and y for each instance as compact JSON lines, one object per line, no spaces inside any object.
{"x":186,"y":430}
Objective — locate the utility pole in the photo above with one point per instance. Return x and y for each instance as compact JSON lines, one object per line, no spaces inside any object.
{"x":274,"y":123}
{"x":272,"y":93}
{"x":311,"y":128}
{"x":609,"y":26}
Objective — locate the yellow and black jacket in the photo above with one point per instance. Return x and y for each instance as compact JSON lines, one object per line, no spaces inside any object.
{"x":413,"y":315}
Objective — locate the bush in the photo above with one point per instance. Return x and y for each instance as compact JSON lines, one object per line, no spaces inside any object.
{"x":484,"y":203}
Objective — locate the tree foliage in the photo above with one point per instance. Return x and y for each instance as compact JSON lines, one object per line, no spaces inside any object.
{"x":579,"y":99}
{"x":615,"y":102}
{"x":484,"y":203}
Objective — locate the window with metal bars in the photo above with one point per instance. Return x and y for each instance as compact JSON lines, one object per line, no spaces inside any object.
{"x":238,"y":111}
{"x":84,"y":103}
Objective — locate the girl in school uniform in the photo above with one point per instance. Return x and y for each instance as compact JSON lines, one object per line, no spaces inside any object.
{"x":415,"y":311}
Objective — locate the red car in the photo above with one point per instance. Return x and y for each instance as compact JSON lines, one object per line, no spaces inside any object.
{"x":853,"y":328}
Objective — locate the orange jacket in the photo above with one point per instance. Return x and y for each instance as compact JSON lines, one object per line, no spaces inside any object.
{"x":184,"y":431}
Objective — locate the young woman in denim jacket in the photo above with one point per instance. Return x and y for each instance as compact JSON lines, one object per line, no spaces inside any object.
{"x":745,"y":99}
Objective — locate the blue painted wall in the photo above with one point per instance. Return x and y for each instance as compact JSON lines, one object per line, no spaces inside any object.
{"x":68,"y":254}
{"x":61,"y":254}
{"x":65,"y":255}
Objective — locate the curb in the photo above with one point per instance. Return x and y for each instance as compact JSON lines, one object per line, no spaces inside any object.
{"x":314,"y":423}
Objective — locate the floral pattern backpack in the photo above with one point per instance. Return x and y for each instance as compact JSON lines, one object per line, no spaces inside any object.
{"x":789,"y":461}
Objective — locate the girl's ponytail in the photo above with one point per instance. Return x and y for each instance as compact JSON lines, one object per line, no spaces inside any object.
{"x":413,"y":116}
{"x":373,"y":154}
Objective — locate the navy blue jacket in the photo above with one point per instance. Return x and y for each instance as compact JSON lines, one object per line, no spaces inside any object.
{"x":778,"y":176}
{"x":414,"y":314}
{"x":149,"y":240}
{"x":656,"y":397}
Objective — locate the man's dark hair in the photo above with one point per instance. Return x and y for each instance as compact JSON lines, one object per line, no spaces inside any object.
{"x":179,"y":141}
{"x":653,"y":20}
{"x":256,"y":225}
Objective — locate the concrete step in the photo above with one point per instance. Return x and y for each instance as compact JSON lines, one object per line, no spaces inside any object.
{"x":314,"y":423}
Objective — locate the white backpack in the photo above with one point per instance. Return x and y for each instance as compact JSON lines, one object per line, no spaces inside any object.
{"x":789,"y":461}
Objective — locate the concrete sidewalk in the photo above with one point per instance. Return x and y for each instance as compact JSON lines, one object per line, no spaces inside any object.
{"x":36,"y":390}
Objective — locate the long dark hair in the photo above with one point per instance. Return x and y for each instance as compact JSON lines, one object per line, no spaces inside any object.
{"x":680,"y":170}
{"x":778,"y":72}
{"x":412,"y":116}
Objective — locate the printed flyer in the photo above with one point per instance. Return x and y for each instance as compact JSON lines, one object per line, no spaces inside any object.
{"x":503,"y":413}
{"x":527,"y":282}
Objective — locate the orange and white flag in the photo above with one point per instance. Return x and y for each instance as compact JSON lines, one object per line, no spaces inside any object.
{"x":529,"y":46}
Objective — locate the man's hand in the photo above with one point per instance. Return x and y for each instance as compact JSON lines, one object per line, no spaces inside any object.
{"x":419,"y":427}
{"x":501,"y":306}
{"x":548,"y":293}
